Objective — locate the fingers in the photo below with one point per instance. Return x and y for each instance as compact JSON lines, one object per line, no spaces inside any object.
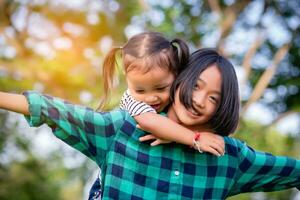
{"x":217,"y":147}
{"x":156,"y":142}
{"x":147,"y":137}
{"x":213,"y":144}
{"x":213,"y":151}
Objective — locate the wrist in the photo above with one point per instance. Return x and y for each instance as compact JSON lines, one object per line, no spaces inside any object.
{"x":196,"y":142}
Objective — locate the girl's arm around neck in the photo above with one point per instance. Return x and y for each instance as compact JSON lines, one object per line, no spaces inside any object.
{"x":14,"y":102}
{"x":164,"y":128}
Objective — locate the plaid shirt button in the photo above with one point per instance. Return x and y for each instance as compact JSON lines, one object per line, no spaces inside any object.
{"x":176,"y":173}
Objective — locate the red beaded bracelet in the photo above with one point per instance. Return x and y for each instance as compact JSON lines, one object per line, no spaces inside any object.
{"x":196,"y":142}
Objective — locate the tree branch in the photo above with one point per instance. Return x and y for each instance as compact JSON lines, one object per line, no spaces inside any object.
{"x":266,"y":77}
{"x":230,"y":15}
{"x":248,"y":58}
{"x":215,"y":7}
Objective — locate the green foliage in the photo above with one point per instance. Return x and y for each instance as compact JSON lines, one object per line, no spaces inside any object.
{"x":27,"y":180}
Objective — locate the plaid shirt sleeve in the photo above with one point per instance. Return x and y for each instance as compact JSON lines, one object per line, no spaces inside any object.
{"x":75,"y":125}
{"x":260,"y":171}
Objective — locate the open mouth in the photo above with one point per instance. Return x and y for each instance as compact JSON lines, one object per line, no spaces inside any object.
{"x":155,"y":106}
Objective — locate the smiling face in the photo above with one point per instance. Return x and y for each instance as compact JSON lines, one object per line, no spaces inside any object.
{"x":151,"y":87}
{"x":205,"y":100}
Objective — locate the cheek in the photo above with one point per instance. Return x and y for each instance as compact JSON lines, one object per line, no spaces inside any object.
{"x":212,"y":110}
{"x":165,"y":97}
{"x":136,"y":96}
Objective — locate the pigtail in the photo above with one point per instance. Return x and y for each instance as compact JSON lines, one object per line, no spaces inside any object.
{"x":108,"y":70}
{"x":183,"y":53}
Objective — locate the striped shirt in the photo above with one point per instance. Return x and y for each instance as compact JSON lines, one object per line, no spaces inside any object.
{"x":133,"y":106}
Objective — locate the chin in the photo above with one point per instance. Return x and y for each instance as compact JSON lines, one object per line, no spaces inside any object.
{"x":187,"y":121}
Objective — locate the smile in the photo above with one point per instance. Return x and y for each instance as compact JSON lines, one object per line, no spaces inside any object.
{"x":194,"y":113}
{"x":155,"y":106}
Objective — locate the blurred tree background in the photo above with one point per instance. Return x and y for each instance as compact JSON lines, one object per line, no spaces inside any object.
{"x":57,"y":47}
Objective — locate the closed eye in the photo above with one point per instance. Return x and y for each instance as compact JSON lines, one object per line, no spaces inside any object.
{"x":161,"y":88}
{"x":140,"y":91}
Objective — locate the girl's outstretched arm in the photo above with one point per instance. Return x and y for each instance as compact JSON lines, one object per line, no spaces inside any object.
{"x":164,"y":128}
{"x":261,"y":171}
{"x":14,"y":102}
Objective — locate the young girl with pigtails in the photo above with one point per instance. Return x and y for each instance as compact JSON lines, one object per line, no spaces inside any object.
{"x":151,"y":63}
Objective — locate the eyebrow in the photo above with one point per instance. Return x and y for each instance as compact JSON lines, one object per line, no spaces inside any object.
{"x":156,"y":86}
{"x":163,"y":85}
{"x":214,"y":91}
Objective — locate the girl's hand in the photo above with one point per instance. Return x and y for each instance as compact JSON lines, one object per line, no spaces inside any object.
{"x":211,"y":143}
{"x":157,"y":140}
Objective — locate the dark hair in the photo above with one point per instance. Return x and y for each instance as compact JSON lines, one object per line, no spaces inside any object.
{"x":226,"y":118}
{"x":145,"y":51}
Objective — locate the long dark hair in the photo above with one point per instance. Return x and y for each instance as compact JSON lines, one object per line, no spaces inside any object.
{"x":145,"y":51}
{"x":226,"y":118}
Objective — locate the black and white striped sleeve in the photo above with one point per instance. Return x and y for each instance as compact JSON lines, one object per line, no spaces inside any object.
{"x":133,"y":106}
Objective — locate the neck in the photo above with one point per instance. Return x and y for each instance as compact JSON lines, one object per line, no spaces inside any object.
{"x":199,"y":127}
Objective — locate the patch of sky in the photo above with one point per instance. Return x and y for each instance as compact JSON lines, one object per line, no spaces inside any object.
{"x":38,"y":2}
{"x":290,"y":125}
{"x":9,"y":52}
{"x":80,"y":5}
{"x":44,"y":49}
{"x":38,"y":86}
{"x":260,"y":113}
{"x":73,"y":29}
{"x":261,"y":61}
{"x":276,"y":32}
{"x":92,"y":18}
{"x":88,"y":53}
{"x":211,"y":39}
{"x":269,"y":95}
{"x":136,"y":26}
{"x":41,"y":28}
{"x":22,"y":2}
{"x":210,"y":25}
{"x":156,"y":17}
{"x":96,"y":6}
{"x":195,"y":10}
{"x":240,"y":40}
{"x":194,"y":2}
{"x":113,"y":5}
{"x":85,"y":97}
{"x":62,"y":43}
{"x":253,"y":12}
{"x":105,"y":44}
{"x":19,"y":18}
{"x":293,"y":89}
{"x":179,"y":27}
{"x":10,"y":32}
{"x":294,"y":22}
{"x":163,"y":4}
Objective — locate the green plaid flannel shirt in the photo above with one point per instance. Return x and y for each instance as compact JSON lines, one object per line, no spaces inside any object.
{"x":135,"y":170}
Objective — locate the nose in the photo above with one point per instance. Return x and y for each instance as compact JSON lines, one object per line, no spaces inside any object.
{"x":199,"y":99}
{"x":151,"y":99}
